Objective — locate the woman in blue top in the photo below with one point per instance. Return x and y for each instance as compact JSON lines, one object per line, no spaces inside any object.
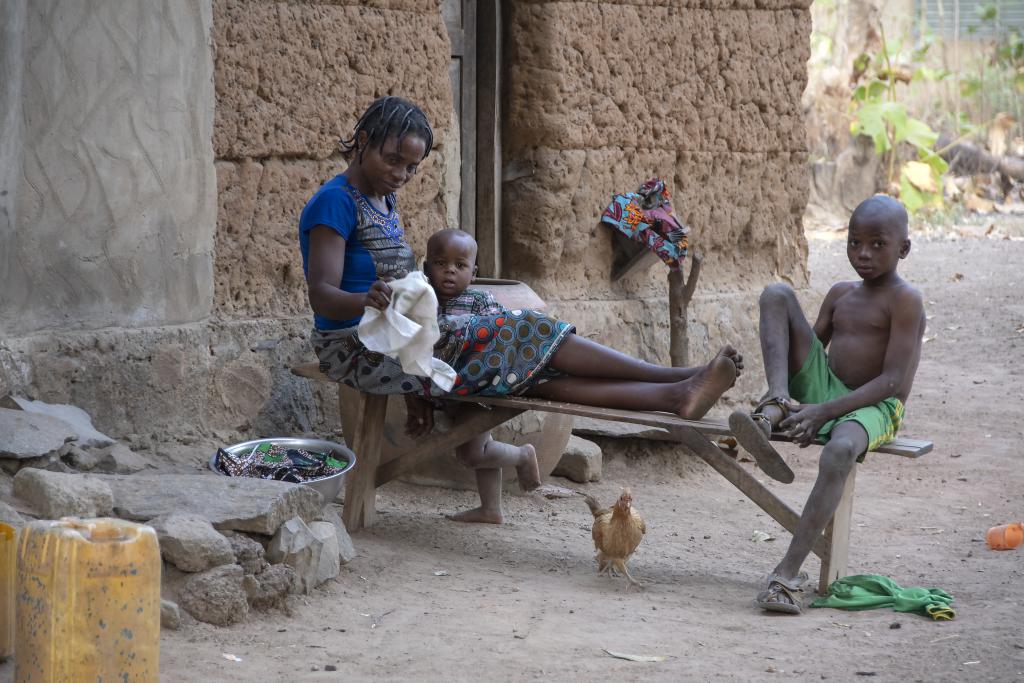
{"x":352,"y":243}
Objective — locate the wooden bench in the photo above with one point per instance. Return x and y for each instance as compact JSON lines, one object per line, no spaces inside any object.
{"x":382,"y":458}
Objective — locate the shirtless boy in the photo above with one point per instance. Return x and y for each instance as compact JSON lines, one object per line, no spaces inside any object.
{"x":853,"y":397}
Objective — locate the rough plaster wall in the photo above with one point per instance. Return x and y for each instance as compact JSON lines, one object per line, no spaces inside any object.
{"x":602,"y":95}
{"x":176,"y":381}
{"x":291,"y":80}
{"x":110,"y":197}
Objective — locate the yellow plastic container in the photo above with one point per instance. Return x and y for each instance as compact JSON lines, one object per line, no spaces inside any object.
{"x":88,"y":602}
{"x":8,"y":551}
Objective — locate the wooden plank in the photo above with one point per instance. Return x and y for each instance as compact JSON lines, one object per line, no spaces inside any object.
{"x":907,"y":448}
{"x":651,"y":419}
{"x":747,"y":484}
{"x":838,"y":534}
{"x":488,"y":137}
{"x":467,"y":120}
{"x":472,"y":421}
{"x":641,"y":259}
{"x":360,"y":488}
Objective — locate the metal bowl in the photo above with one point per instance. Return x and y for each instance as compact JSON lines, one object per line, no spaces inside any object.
{"x":328,"y":487}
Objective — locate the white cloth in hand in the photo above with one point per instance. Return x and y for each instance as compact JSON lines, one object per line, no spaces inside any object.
{"x":407,"y":330}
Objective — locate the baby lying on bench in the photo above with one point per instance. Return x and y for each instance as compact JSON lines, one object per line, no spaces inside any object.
{"x":853,"y":397}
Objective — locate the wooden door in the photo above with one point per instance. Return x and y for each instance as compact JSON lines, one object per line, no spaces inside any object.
{"x":474,"y":29}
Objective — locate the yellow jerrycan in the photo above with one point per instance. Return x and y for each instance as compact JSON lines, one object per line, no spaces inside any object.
{"x":8,"y":551}
{"x":87,"y":603}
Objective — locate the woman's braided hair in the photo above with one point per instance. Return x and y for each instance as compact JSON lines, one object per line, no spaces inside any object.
{"x":389,"y":116}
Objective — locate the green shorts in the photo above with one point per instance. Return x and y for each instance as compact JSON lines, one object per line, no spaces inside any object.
{"x":816,"y":383}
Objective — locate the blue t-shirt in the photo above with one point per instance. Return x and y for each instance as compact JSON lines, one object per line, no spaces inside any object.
{"x":335,"y":206}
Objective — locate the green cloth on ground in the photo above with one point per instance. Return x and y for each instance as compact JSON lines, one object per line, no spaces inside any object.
{"x":869,"y":591}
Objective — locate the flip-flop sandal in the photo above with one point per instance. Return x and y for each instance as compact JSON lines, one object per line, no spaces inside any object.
{"x":752,"y":437}
{"x":773,"y":597}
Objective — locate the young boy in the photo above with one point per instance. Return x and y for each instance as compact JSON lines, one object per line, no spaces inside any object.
{"x":450,"y":266}
{"x":852,"y":397}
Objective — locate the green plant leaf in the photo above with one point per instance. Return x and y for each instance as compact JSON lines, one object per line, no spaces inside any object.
{"x":915,"y":199}
{"x":877,"y":89}
{"x":926,"y":73}
{"x":970,"y":86}
{"x":938,"y":165}
{"x":988,"y":11}
{"x":910,"y":196}
{"x":916,"y":132}
{"x":1018,"y":81}
{"x":870,"y":120}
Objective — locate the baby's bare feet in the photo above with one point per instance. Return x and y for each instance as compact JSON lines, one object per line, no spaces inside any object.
{"x":528,"y":473}
{"x":478,"y":516}
{"x":701,"y":391}
{"x":732,"y":354}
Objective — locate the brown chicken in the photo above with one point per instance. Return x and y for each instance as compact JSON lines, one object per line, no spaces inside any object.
{"x":617,"y":532}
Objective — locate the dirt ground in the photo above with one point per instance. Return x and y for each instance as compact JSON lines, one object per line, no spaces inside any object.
{"x":428,"y":599}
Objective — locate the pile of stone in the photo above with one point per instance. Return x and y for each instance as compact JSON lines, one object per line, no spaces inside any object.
{"x":60,"y":438}
{"x":228,"y":545}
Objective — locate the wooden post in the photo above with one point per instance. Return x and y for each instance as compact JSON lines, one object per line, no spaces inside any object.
{"x":680,"y":292}
{"x":837,"y":534}
{"x":361,"y":487}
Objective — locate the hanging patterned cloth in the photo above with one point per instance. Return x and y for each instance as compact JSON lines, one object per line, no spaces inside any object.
{"x":646,"y":216}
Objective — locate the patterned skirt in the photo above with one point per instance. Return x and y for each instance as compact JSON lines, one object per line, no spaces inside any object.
{"x":493,"y":355}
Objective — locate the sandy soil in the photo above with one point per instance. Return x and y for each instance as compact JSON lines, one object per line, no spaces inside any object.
{"x":522,"y":601}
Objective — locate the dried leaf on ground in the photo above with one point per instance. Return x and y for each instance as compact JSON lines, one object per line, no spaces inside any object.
{"x":976,"y":203}
{"x":636,"y":658}
{"x":920,"y":176}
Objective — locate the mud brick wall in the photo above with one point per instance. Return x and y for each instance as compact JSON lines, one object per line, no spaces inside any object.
{"x":291,"y":79}
{"x":195,"y":332}
{"x":706,"y":95}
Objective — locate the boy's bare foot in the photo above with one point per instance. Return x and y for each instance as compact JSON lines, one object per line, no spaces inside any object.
{"x":478,"y":516}
{"x":528,"y":474}
{"x":701,"y":391}
{"x":753,"y":433}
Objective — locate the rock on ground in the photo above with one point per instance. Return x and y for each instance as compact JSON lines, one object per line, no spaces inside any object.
{"x":54,"y":494}
{"x":346,"y":550}
{"x":589,"y":426}
{"x":311,"y":550}
{"x":170,"y":615}
{"x":119,"y":459}
{"x":215,"y":596}
{"x":239,"y":504}
{"x":190,"y":543}
{"x":581,"y":461}
{"x":268,"y":588}
{"x":248,"y":552}
{"x":31,"y":435}
{"x":79,"y":458}
{"x":73,"y":416}
{"x":9,"y":515}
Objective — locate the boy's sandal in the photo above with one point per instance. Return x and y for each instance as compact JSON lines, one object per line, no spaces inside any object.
{"x":783,"y":403}
{"x":779,"y":595}
{"x":752,"y":432}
